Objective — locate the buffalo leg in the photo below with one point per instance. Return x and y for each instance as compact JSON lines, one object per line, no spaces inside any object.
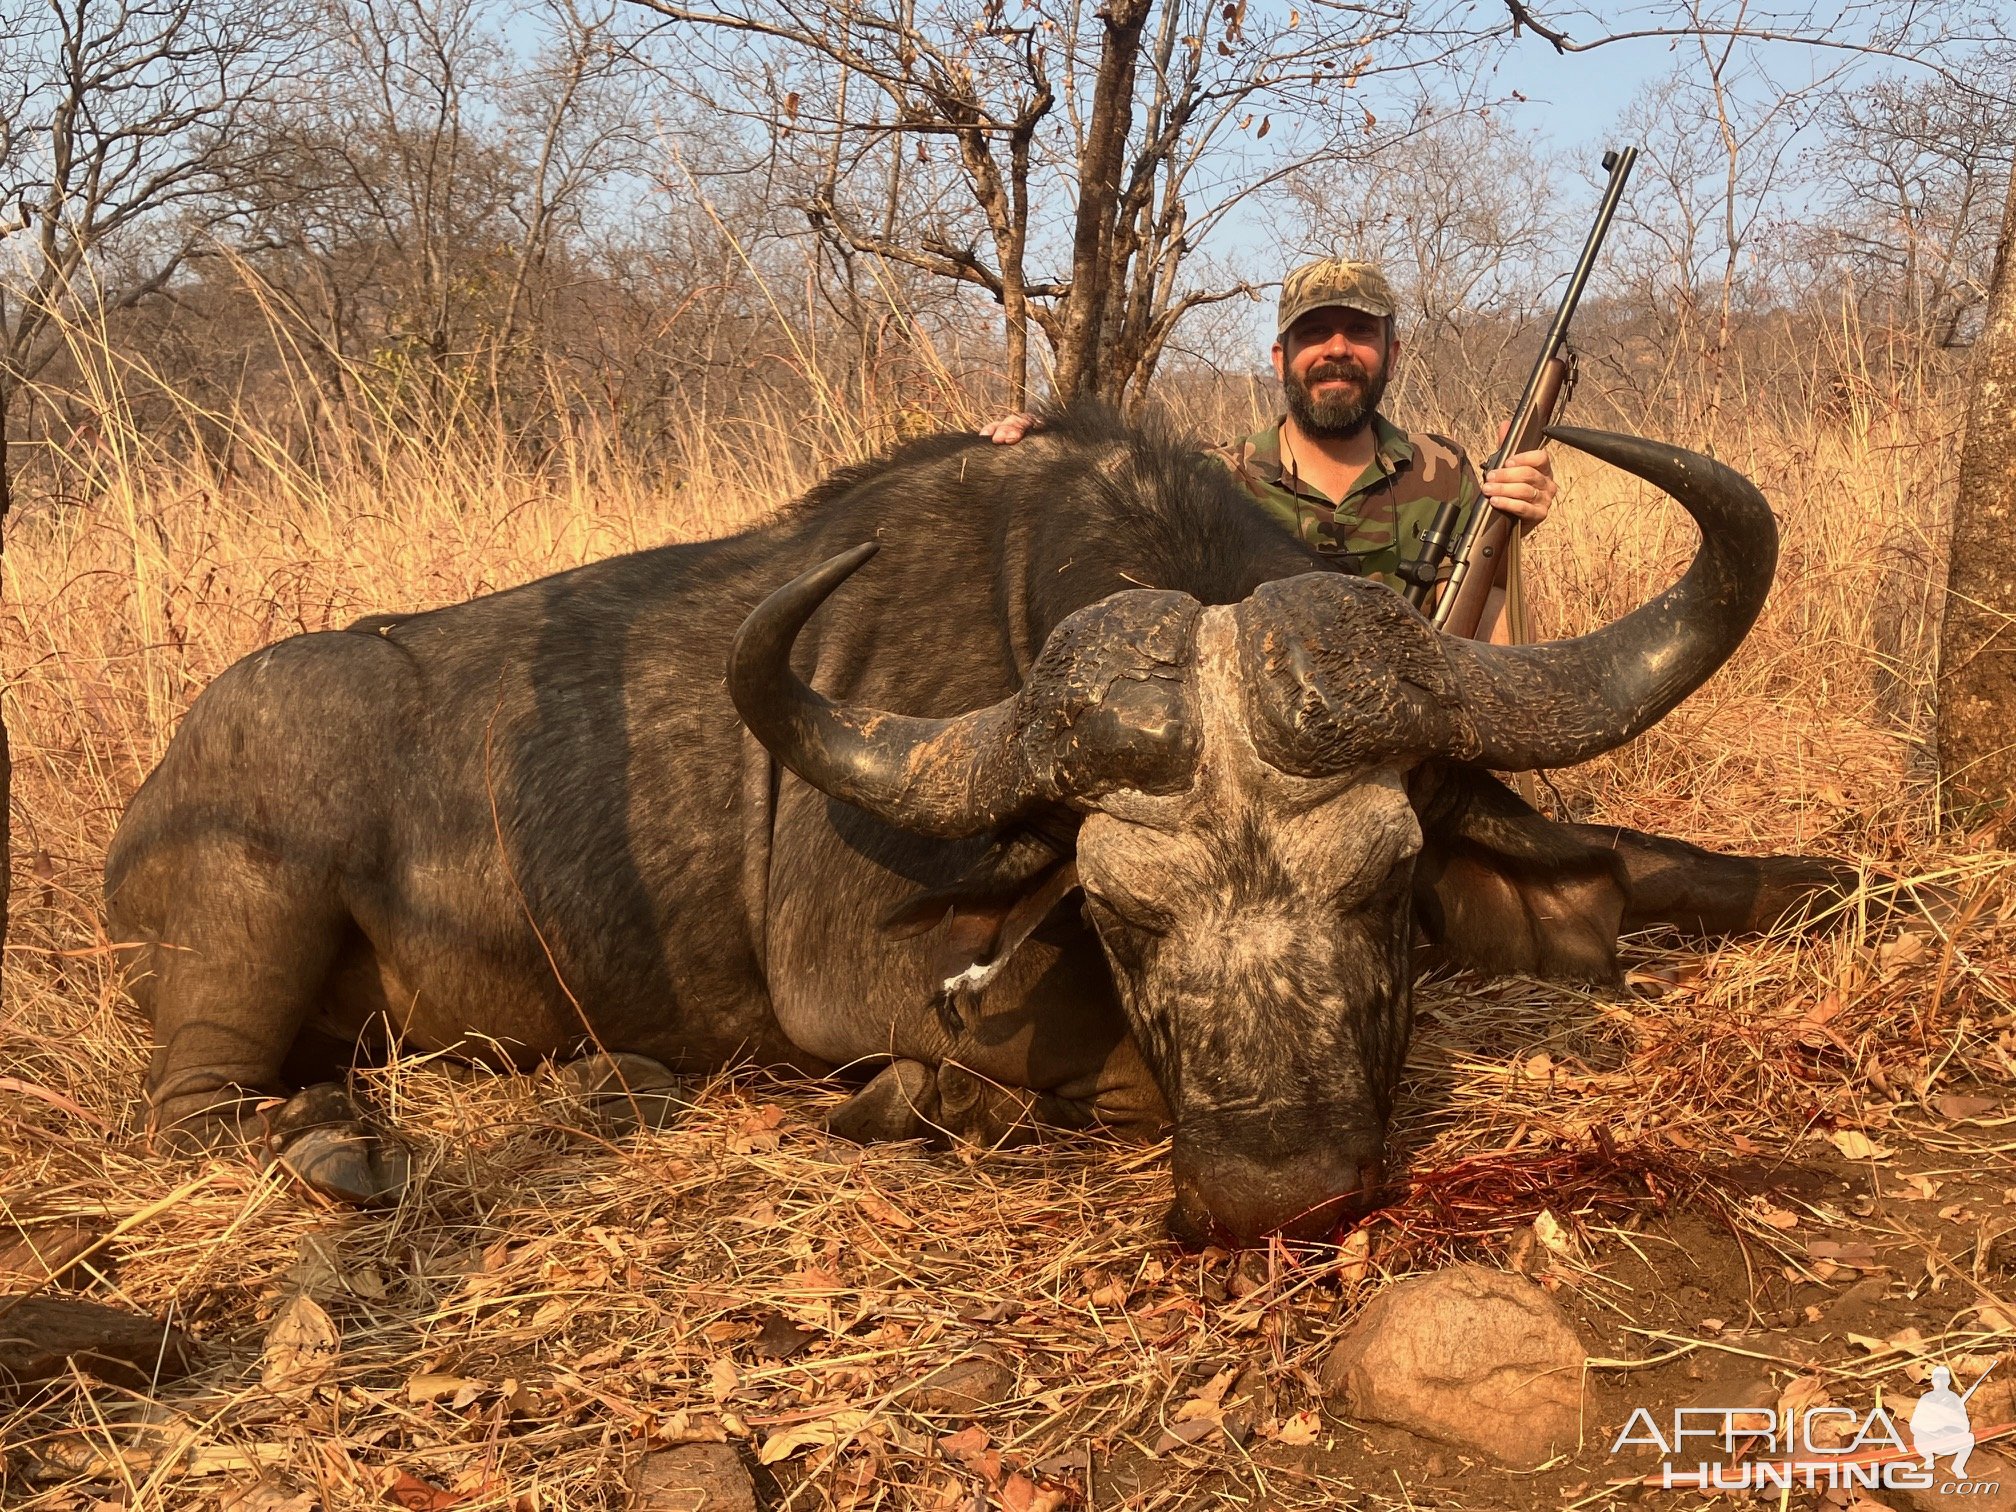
{"x":238,"y":965}
{"x":1500,"y":888}
{"x":978,"y":1111}
{"x":1703,"y":893}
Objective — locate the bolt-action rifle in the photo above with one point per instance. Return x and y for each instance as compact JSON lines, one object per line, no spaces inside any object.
{"x":1480,"y":555}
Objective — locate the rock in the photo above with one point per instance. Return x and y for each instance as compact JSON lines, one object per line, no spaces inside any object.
{"x":51,"y":1255}
{"x":970,"y":1384}
{"x":625,"y":1092}
{"x":692,"y":1478}
{"x":1985,"y":1469}
{"x":41,"y":1337}
{"x":1471,"y":1356}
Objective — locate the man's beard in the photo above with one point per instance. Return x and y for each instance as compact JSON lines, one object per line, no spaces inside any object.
{"x":1337,"y":417}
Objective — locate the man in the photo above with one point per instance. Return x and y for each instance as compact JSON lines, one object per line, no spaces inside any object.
{"x":1334,"y":470}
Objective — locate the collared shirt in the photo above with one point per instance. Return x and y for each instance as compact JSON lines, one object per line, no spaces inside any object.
{"x":1378,"y":522}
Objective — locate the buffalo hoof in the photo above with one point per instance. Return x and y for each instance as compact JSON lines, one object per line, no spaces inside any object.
{"x":350,"y":1165}
{"x":319,"y":1139}
{"x":900,"y":1103}
{"x":626,"y":1092}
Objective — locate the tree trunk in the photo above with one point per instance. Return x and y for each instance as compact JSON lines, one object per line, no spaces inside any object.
{"x":1099,"y":165}
{"x":1977,"y":642}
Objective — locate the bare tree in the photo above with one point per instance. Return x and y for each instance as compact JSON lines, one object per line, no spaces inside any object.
{"x":120,"y":157}
{"x":1154,"y":123}
{"x":1915,"y":169}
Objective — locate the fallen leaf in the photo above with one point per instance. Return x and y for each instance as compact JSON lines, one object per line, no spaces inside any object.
{"x":1907,"y":946}
{"x":417,"y":1495}
{"x":264,"y":1496}
{"x":968,"y":1441}
{"x":1182,"y":1434}
{"x":821,"y":1433}
{"x":1553,"y":1234}
{"x":1302,"y":1428}
{"x":301,"y":1345}
{"x":1208,"y":1402}
{"x":885,"y":1214}
{"x":436,"y":1388}
{"x":723,"y":1378}
{"x":781,"y":1339}
{"x":969,"y":1447}
{"x":1664,"y":981}
{"x":1856,"y":1145}
{"x":1803,"y":1392}
{"x":1073,"y":1461}
{"x":1774,"y":1217}
{"x":1907,"y":1340}
{"x":1354,"y":1255}
{"x":683,"y":1427}
{"x":1844,"y":1252}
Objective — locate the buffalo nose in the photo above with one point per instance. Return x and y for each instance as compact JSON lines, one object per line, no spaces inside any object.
{"x":1230,"y":1198}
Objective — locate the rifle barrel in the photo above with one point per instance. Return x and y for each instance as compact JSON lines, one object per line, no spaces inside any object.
{"x":1619,"y":163}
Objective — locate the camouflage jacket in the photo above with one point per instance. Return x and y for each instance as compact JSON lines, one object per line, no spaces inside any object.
{"x":1376,"y":525}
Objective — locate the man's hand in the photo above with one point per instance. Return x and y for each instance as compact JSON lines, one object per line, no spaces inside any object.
{"x":1524,"y":487}
{"x":1012,"y":428}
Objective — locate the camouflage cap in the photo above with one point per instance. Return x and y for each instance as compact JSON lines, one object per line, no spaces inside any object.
{"x":1333,"y":281}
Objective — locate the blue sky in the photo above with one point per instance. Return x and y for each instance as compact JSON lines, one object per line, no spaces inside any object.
{"x":1576,"y":98}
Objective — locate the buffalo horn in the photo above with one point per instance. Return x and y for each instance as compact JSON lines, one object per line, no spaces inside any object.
{"x":944,"y":777}
{"x":1565,"y":701}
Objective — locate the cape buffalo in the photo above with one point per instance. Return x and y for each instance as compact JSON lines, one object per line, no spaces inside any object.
{"x":531,"y":824}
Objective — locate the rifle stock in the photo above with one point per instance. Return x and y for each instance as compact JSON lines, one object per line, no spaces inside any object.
{"x":1460,"y":611}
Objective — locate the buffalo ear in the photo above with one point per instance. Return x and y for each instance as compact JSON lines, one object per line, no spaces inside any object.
{"x":1500,"y":888}
{"x":1000,"y":901}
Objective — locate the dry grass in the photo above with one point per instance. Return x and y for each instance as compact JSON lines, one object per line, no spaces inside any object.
{"x":595,"y":1296}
